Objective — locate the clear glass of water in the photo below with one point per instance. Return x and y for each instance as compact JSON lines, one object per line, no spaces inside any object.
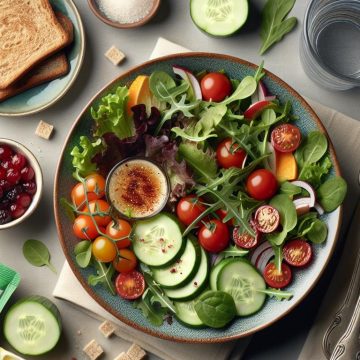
{"x":330,"y":43}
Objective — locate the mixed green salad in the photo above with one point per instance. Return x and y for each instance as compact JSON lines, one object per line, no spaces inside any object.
{"x":248,"y":191}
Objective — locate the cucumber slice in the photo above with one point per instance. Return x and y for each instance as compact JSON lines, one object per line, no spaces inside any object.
{"x":241,"y":280}
{"x":195,"y":286}
{"x":219,"y":17}
{"x":158,"y":242}
{"x":32,"y":326}
{"x":215,"y":273}
{"x":180,"y":272}
{"x":185,"y":313}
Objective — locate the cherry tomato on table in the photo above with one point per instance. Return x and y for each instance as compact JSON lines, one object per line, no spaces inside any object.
{"x":215,"y":87}
{"x":297,"y":252}
{"x":117,"y":230}
{"x":275,"y":278}
{"x":189,"y":208}
{"x":104,"y":249}
{"x":286,"y":138}
{"x":126,"y":261}
{"x":229,"y":154}
{"x":130,"y":286}
{"x":84,"y":228}
{"x":95,"y":189}
{"x":261,"y":184}
{"x":245,"y":240}
{"x":99,"y":206}
{"x":214,"y":236}
{"x":266,"y":219}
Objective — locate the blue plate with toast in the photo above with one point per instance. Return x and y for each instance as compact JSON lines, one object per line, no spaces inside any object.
{"x":64,"y":66}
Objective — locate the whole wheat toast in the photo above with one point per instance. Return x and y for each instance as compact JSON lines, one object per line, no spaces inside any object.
{"x":50,"y":69}
{"x":29,"y":33}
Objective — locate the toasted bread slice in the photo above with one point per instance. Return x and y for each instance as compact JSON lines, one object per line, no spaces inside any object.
{"x":29,"y":34}
{"x":50,"y":69}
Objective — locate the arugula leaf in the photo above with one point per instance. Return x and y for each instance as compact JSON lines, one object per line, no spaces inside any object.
{"x":332,"y":193}
{"x":202,"y":162}
{"x":68,"y":209}
{"x":234,"y":251}
{"x":82,"y":158}
{"x":278,"y":256}
{"x":104,"y":274}
{"x":288,"y":218}
{"x":277,"y":294}
{"x":111,"y":117}
{"x":202,"y":129}
{"x":274,"y":25}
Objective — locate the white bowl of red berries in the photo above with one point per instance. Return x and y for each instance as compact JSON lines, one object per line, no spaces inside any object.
{"x":20,"y":183}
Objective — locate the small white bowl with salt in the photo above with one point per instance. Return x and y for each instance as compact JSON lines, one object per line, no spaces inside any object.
{"x":124,"y":14}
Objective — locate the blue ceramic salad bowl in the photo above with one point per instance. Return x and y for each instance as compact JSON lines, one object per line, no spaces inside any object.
{"x":304,"y":280}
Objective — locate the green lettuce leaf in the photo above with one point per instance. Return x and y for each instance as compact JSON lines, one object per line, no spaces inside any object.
{"x":313,"y":173}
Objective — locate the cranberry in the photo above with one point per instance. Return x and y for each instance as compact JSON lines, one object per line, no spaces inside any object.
{"x":1,"y":192}
{"x":5,"y":216}
{"x":23,"y":200}
{"x":18,"y":161}
{"x":5,"y":185}
{"x":4,"y":204}
{"x":6,"y":164}
{"x":16,"y":211}
{"x":5,"y":152}
{"x":30,"y":187}
{"x":13,"y":194}
{"x":13,"y":176}
{"x":27,"y":173}
{"x":2,"y":173}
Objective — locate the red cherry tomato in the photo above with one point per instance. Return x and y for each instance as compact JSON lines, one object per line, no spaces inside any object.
{"x":221,"y":213}
{"x":266,"y":219}
{"x":229,"y":154}
{"x":84,"y":228}
{"x":275,"y":278}
{"x":286,"y":138}
{"x":261,"y":184}
{"x":119,"y":230}
{"x":214,"y":236}
{"x":130,"y":285}
{"x":215,"y":87}
{"x":189,"y":208}
{"x":125,"y":262}
{"x":297,"y":252}
{"x":245,"y":240}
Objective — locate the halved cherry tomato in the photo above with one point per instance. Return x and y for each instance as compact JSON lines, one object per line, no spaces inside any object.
{"x":189,"y":208}
{"x":214,"y":236}
{"x":130,"y":286}
{"x":215,"y":87}
{"x":286,"y":138}
{"x":99,"y":206}
{"x":125,"y":262}
{"x":261,"y":184}
{"x":297,"y":252}
{"x":266,"y":219}
{"x":104,"y":249}
{"x":84,"y":228}
{"x":95,"y":188}
{"x":230,"y":154}
{"x":275,"y":278}
{"x":245,"y":240}
{"x":117,"y":230}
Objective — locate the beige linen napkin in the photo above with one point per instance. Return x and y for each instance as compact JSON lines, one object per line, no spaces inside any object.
{"x":344,"y":133}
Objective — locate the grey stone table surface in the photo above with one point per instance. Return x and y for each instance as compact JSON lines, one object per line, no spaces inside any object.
{"x":172,"y":22}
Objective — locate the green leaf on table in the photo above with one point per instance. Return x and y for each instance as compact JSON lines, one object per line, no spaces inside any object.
{"x":82,"y":253}
{"x":274,"y":25}
{"x":332,"y":193}
{"x":104,"y":274}
{"x":37,"y":254}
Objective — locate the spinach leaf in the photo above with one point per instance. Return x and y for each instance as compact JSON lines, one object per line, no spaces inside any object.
{"x":37,"y":254}
{"x":202,"y":162}
{"x":202,"y":129}
{"x":82,"y":253}
{"x":104,"y":274}
{"x":160,"y":77}
{"x":317,"y":232}
{"x":215,"y":308}
{"x":111,"y":117}
{"x":233,"y":251}
{"x":276,"y":294}
{"x":288,"y":218}
{"x":290,"y":189}
{"x":304,"y":224}
{"x":274,"y":25}
{"x":332,"y":193}
{"x":245,"y":89}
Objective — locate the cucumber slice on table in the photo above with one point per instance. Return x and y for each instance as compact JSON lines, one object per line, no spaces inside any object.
{"x":219,"y":17}
{"x":158,"y":242}
{"x":242,"y":281}
{"x":32,"y":326}
{"x":195,"y":286}
{"x":180,"y":272}
{"x":185,"y":313}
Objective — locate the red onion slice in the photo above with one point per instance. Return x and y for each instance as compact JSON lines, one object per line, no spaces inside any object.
{"x":319,"y":208}
{"x":188,"y":75}
{"x":308,"y":188}
{"x":302,"y":205}
{"x":259,"y":250}
{"x":264,"y":259}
